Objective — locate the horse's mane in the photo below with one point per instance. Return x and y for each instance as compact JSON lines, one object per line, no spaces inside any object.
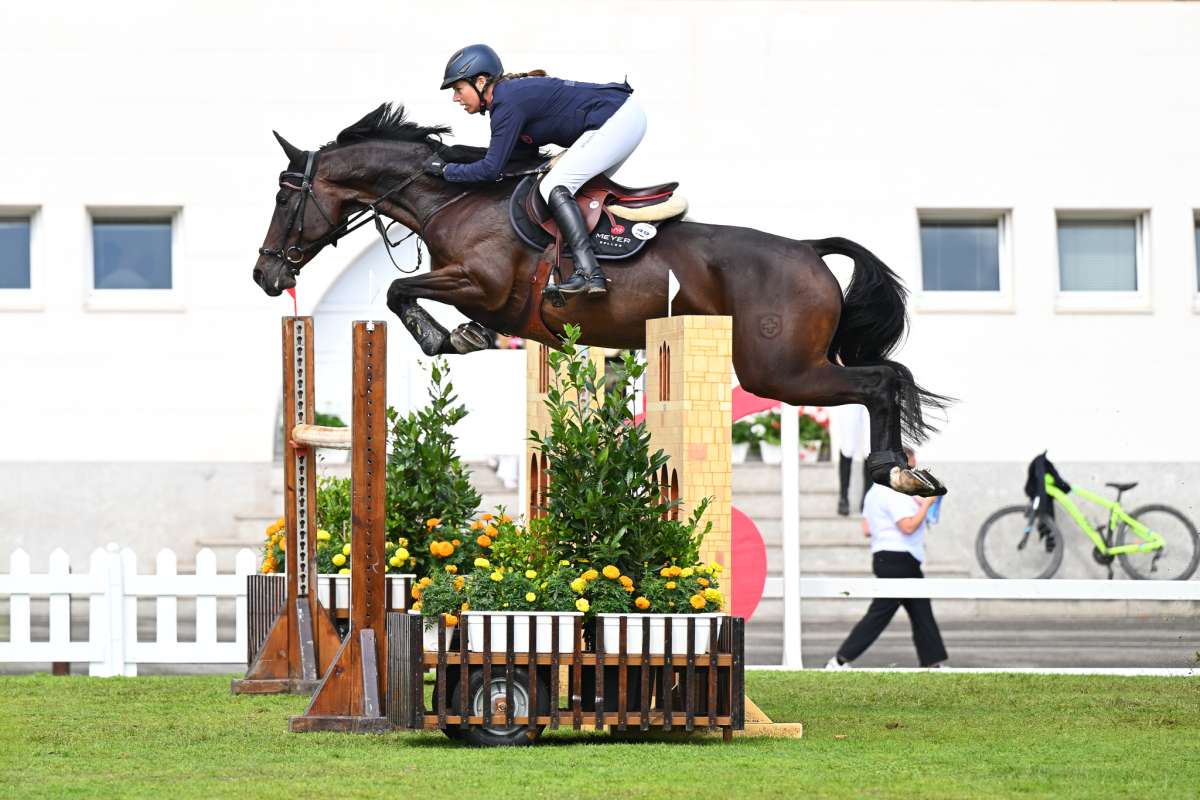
{"x":389,"y":123}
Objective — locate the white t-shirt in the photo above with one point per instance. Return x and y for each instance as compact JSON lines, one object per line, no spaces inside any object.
{"x":882,"y":509}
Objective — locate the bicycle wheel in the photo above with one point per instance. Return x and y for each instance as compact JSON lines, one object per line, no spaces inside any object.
{"x":1008,"y":546}
{"x":1179,"y":555}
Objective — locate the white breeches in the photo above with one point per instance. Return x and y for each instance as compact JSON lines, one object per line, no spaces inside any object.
{"x":850,"y":429}
{"x":602,"y":150}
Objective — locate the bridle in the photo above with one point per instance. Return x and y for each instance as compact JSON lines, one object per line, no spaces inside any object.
{"x":293,"y":255}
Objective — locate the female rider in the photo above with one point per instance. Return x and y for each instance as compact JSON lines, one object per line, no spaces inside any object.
{"x":599,"y":124}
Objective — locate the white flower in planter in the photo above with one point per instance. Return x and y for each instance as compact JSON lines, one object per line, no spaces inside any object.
{"x":758,"y":429}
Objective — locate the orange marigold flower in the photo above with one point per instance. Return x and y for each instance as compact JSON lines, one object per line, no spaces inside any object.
{"x":476,"y":525}
{"x":485,"y":517}
{"x":447,"y":549}
{"x":702,"y":581}
{"x":697,"y":601}
{"x":505,"y":518}
{"x":676,"y":572}
{"x":626,"y":581}
{"x":452,"y":569}
{"x":459,"y":582}
{"x":490,"y":530}
{"x":451,"y":620}
{"x":432,"y":522}
{"x":665,"y":572}
{"x":435,"y":547}
{"x":456,"y":542}
{"x":611,"y":572}
{"x":642,"y":603}
{"x":591,"y":575}
{"x":483,"y":540}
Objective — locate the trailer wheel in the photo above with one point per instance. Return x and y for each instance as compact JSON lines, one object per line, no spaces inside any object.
{"x":498,"y":734}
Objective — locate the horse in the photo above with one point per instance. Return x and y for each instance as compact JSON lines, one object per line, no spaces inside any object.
{"x":796,"y":338}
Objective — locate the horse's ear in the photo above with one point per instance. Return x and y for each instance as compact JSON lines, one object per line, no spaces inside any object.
{"x":293,"y":153}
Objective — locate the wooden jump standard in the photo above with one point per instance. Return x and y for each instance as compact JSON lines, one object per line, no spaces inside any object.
{"x":303,"y":651}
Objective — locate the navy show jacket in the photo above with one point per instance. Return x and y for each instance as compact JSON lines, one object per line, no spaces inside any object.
{"x":539,"y":111}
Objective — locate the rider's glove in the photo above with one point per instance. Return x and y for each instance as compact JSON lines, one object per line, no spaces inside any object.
{"x":435,"y":167}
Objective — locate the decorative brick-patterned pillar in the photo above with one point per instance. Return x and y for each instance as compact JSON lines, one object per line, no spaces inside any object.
{"x":689,"y":402}
{"x":538,"y":379}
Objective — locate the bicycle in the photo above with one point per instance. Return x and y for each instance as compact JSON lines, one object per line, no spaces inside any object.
{"x":1139,"y":539}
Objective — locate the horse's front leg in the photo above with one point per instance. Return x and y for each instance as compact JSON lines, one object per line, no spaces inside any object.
{"x":453,"y":286}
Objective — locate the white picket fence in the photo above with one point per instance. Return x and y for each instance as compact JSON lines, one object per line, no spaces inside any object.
{"x":113,"y":586}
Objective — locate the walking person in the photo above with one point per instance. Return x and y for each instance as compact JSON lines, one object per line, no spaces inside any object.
{"x":896,"y":524}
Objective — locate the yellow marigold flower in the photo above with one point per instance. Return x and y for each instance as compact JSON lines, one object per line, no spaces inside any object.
{"x":416,"y":592}
{"x":485,"y":517}
{"x":530,"y":597}
{"x":591,"y":575}
{"x":482,"y":563}
{"x":578,"y":585}
{"x":717,"y":568}
{"x":702,"y":581}
{"x":466,"y":606}
{"x":665,"y":572}
{"x":459,"y":582}
{"x":344,"y":571}
{"x":416,"y":606}
{"x":402,"y":554}
{"x":611,"y":572}
{"x":432,"y":522}
{"x":322,"y":535}
{"x":626,"y":581}
{"x":402,"y":542}
{"x":564,"y":563}
{"x":531,"y":573}
{"x":425,"y":581}
{"x":642,"y":603}
{"x":712,"y":595}
{"x":452,"y":569}
{"x":346,"y":549}
{"x":483,"y":540}
{"x":505,"y":518}
{"x":676,"y":571}
{"x":490,"y":530}
{"x":697,"y":601}
{"x":686,"y":572}
{"x":393,"y":561}
{"x":283,"y":544}
{"x":451,"y":620}
{"x":670,"y":584}
{"x":582,"y":605}
{"x":497,"y":576}
{"x":338,"y":559}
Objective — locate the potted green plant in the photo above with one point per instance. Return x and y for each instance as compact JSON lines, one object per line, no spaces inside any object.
{"x":768,"y":426}
{"x":813,"y":436}
{"x":502,"y":599}
{"x":667,"y":597}
{"x":743,"y":437}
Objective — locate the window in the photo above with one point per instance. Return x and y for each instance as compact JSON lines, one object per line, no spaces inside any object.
{"x":15,"y":269}
{"x":1098,"y":255}
{"x":960,"y":256}
{"x":966,"y":262}
{"x":131,"y":254}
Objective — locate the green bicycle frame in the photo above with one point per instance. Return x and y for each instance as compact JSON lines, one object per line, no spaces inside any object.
{"x":1150,"y":540}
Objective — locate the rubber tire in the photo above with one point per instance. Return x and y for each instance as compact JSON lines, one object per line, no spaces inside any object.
{"x":1124,"y":529}
{"x":1055,"y":558}
{"x":518,"y":736}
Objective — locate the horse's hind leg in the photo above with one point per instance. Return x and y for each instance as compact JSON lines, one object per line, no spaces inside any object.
{"x":876,"y":387}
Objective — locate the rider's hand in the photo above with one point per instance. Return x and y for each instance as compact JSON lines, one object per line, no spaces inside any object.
{"x":435,"y":167}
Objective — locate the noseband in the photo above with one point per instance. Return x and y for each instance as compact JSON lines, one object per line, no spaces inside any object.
{"x":292,"y":255}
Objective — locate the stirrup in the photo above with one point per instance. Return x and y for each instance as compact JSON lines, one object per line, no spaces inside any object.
{"x":581,"y":281}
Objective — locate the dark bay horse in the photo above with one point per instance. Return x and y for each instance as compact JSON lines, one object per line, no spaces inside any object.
{"x":795,"y":338}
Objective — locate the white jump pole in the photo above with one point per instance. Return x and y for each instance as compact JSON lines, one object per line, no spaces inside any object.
{"x":789,"y":434}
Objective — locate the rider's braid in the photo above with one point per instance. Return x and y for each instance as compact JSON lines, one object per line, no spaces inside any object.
{"x":512,"y":76}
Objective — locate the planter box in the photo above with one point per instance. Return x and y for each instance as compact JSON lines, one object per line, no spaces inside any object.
{"x":429,"y":635}
{"x":338,"y":597}
{"x":500,"y":620}
{"x":810,"y":451}
{"x":771,"y":453}
{"x":611,"y":625}
{"x":740,"y":450}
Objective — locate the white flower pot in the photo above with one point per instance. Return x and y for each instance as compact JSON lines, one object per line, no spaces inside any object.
{"x":771,"y":453}
{"x":500,"y":620}
{"x":740,"y":449}
{"x":341,"y":589}
{"x":611,"y":625}
{"x":810,"y":451}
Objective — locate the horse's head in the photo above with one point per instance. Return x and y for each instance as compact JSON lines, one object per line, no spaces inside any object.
{"x":309,"y":213}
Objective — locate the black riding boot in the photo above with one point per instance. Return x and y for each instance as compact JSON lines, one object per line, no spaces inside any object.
{"x":844,"y":464}
{"x":587,"y":274}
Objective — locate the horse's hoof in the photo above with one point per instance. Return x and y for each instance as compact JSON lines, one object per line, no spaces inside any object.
{"x":469,"y":338}
{"x":917,"y":482}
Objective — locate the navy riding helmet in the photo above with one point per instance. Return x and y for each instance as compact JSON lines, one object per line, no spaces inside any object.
{"x":472,"y":60}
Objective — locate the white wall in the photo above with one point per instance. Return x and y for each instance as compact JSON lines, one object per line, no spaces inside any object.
{"x":805,"y":119}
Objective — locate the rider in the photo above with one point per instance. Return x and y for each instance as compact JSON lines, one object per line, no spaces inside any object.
{"x":599,"y":124}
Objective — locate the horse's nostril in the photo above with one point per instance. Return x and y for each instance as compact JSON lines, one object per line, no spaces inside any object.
{"x":259,"y":277}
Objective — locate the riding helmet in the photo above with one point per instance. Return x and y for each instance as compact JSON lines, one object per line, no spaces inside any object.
{"x":472,"y":60}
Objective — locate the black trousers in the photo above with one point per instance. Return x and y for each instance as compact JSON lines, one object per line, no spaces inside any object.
{"x":926,"y":636}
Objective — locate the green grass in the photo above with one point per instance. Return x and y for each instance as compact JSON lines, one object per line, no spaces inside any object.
{"x":866,"y":735}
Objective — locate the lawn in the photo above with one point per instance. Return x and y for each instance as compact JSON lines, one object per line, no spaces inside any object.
{"x":866,"y":735}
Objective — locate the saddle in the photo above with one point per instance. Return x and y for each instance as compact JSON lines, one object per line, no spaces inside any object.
{"x":620,"y":219}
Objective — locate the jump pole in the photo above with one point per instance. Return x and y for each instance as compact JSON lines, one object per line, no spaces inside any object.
{"x":350,"y":697}
{"x":302,"y":640}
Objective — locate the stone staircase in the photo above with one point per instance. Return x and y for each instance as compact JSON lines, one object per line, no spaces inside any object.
{"x":249,"y":526}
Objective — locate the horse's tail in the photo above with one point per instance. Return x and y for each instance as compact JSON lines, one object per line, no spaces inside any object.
{"x":873,"y":322}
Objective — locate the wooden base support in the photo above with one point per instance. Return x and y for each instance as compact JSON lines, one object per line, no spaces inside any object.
{"x":292,"y":662}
